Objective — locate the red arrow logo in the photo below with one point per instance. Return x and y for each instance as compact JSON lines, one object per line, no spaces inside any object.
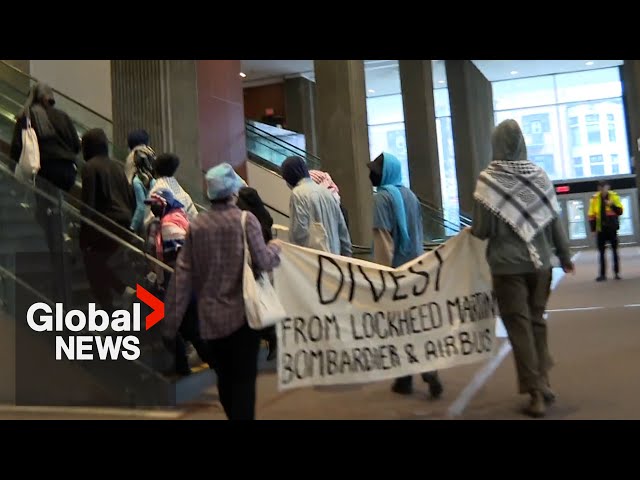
{"x":153,"y":302}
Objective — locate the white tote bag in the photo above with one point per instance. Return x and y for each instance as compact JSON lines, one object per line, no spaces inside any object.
{"x":29,"y":162}
{"x":261,"y":304}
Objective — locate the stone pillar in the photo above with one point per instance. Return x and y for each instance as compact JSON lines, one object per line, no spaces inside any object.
{"x":416,"y":79}
{"x":471,"y":99}
{"x":343,"y":139}
{"x":300,"y":109}
{"x":191,"y":108}
{"x":631,"y":96}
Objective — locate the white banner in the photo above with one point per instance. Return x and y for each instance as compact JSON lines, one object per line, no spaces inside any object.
{"x":352,"y":321}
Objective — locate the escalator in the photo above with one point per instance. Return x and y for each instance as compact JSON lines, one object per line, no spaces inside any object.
{"x":30,"y":275}
{"x":267,"y":148}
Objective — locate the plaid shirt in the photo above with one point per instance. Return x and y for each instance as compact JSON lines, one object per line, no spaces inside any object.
{"x":210,"y":266}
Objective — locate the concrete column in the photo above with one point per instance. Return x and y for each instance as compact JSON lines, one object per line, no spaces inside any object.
{"x":300,"y":109}
{"x":631,"y":96}
{"x":191,"y":108}
{"x":472,"y":121}
{"x":343,"y":140}
{"x":416,"y":79}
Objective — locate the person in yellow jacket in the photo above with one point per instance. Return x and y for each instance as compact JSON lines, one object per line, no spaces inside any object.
{"x":604,"y":212}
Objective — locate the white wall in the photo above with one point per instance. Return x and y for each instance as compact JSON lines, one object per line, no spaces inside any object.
{"x":272,"y":189}
{"x":86,"y":81}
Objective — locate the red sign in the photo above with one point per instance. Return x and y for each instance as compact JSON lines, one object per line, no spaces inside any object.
{"x":563,"y":189}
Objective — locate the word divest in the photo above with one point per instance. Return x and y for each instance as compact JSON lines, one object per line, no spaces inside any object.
{"x":351,"y":321}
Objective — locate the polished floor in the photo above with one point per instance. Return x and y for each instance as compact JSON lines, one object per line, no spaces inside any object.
{"x":595,"y":340}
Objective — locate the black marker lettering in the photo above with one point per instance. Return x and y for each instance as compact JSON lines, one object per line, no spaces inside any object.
{"x":321,"y":259}
{"x":376,"y":296}
{"x":417,"y":292}
{"x":396,"y":277}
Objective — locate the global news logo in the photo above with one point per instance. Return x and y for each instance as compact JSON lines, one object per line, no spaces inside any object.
{"x":79,"y":342}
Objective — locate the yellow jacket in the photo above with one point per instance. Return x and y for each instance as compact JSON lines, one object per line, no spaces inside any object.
{"x":613,"y":210}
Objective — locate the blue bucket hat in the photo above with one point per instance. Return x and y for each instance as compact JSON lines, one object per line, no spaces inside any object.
{"x":222,"y":182}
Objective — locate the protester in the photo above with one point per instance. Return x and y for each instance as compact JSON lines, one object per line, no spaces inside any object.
{"x":138,"y":142}
{"x":605,"y":209}
{"x":210,"y":266}
{"x":516,"y":209}
{"x":142,"y":183}
{"x":105,"y":190}
{"x":167,"y":237}
{"x":59,"y":146}
{"x":397,"y":237}
{"x":166,"y":165}
{"x":316,"y":220}
{"x":249,"y":200}
{"x":324,"y":179}
{"x":139,"y":169}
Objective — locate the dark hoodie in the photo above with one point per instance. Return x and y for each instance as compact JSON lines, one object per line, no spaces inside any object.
{"x":249,"y":200}
{"x":57,"y":138}
{"x":105,"y":188}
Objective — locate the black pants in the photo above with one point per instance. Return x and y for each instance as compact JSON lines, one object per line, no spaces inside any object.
{"x":49,"y":217}
{"x":604,"y":237}
{"x":235,"y":361}
{"x":102,"y":279}
{"x":189,"y":331}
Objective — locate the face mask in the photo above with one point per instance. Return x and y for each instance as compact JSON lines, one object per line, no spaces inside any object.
{"x":376,"y":179}
{"x":157,"y":210}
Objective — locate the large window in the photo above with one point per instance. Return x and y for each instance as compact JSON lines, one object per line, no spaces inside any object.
{"x":385,"y":114}
{"x":447,"y":159}
{"x":573,"y":123}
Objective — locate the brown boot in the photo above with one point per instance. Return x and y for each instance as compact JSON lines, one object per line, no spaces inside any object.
{"x":536,"y":407}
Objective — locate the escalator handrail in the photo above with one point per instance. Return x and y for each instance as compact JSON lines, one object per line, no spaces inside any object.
{"x":293,"y":148}
{"x":83,"y":218}
{"x":57,"y":92}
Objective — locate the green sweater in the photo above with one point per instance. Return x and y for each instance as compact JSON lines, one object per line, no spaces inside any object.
{"x":507,"y":253}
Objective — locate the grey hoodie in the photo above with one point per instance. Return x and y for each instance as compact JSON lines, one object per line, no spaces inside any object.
{"x":507,"y":253}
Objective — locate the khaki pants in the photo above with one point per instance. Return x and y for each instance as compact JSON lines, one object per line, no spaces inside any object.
{"x":522,"y":300}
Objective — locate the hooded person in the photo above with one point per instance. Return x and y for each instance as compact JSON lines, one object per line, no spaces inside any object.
{"x":517,"y":211}
{"x":316,"y":219}
{"x":165,"y":239}
{"x":211,"y":265}
{"x":397,"y":236}
{"x":58,"y":140}
{"x":165,"y":167}
{"x":138,"y":143}
{"x":324,"y":179}
{"x":249,"y":200}
{"x":109,"y":201}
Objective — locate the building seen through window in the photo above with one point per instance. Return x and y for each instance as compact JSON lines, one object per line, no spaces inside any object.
{"x":573,"y":123}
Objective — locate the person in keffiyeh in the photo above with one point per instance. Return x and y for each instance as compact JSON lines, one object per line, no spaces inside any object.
{"x":516,"y":210}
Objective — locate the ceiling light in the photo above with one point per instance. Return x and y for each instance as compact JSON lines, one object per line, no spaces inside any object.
{"x":514,"y":72}
{"x":371,"y":90}
{"x":589,"y":64}
{"x":243,"y":74}
{"x":440,"y":81}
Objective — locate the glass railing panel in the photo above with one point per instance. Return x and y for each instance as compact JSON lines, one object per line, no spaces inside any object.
{"x":292,"y":138}
{"x":40,"y":250}
{"x":80,"y":113}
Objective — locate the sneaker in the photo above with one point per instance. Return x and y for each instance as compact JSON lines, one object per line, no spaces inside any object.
{"x":601,"y":279}
{"x":536,"y":407}
{"x":618,"y":277}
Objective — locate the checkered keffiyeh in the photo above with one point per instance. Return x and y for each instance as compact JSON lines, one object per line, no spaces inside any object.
{"x":521,"y":194}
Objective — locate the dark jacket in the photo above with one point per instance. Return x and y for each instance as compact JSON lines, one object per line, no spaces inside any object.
{"x":249,"y":200}
{"x":57,"y":154}
{"x":105,"y":188}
